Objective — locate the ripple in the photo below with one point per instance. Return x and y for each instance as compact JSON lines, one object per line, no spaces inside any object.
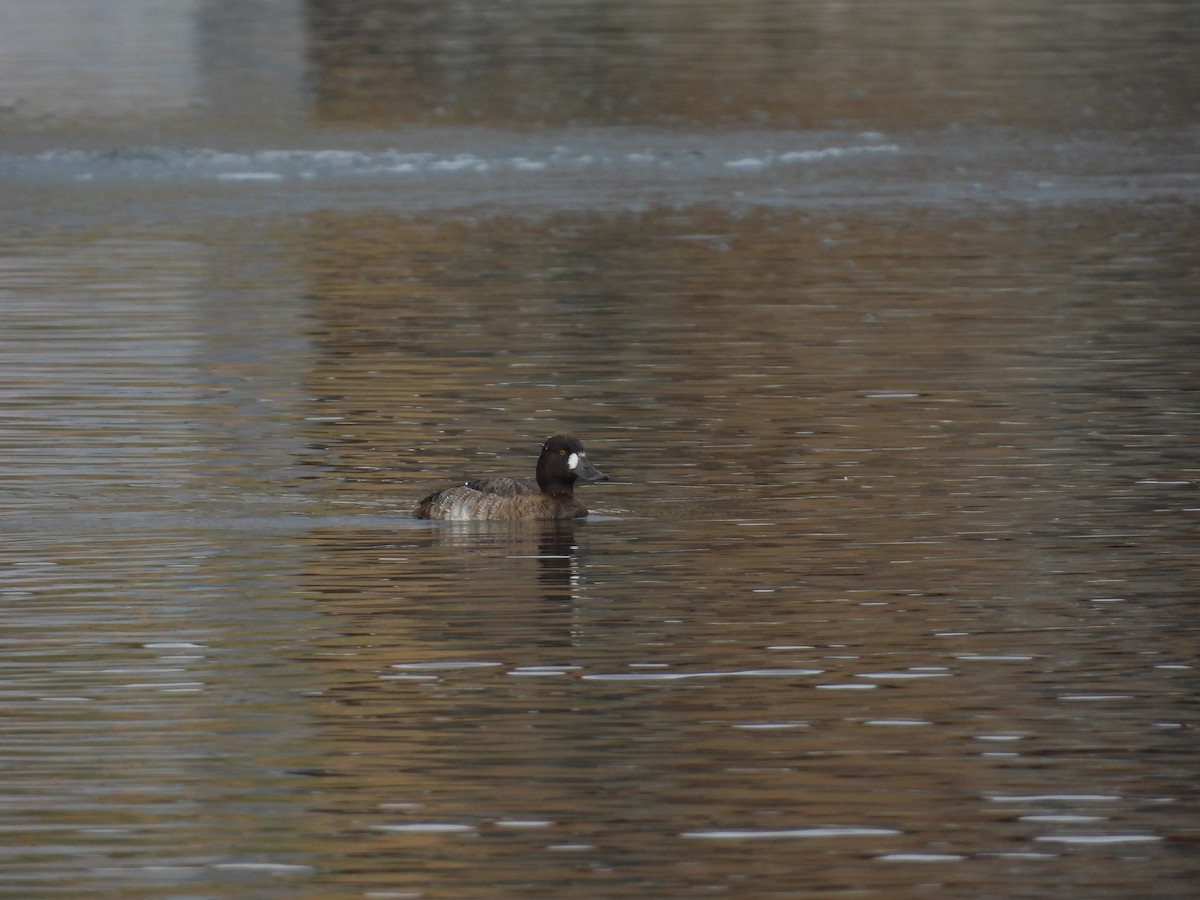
{"x":445,"y":665}
{"x":1087,"y":698}
{"x":272,"y":868}
{"x":755,"y":834}
{"x":275,"y":165}
{"x":1062,"y":819}
{"x":425,"y":828}
{"x":677,"y":676}
{"x":537,"y":671}
{"x":896,"y":676}
{"x":1063,"y":798}
{"x":1098,"y":838}
{"x":921,"y":857}
{"x":524,"y":823}
{"x":771,"y":726}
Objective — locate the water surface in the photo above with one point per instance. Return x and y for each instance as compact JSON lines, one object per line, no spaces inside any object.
{"x":894,"y":369}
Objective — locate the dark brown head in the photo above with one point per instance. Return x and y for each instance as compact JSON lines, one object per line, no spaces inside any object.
{"x":563,"y":461}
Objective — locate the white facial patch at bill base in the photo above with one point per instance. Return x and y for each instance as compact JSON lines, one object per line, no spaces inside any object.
{"x":572,"y":461}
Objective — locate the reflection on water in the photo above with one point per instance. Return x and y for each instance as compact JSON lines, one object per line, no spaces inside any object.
{"x":792,"y":64}
{"x":532,"y":62}
{"x":897,"y":573}
{"x":894,"y":587}
{"x":205,"y":67}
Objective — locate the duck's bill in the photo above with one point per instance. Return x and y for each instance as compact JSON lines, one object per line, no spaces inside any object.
{"x":585,"y":470}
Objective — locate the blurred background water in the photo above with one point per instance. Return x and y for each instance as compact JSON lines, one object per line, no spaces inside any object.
{"x":883,"y":316}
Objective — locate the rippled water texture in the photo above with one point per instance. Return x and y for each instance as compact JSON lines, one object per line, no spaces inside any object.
{"x":883,"y":317}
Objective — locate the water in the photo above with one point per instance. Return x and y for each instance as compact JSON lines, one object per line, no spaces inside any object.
{"x":883,"y":319}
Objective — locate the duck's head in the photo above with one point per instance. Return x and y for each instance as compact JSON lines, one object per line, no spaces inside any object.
{"x":562,"y":461}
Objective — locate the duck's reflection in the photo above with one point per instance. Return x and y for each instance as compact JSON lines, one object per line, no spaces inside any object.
{"x":551,"y":544}
{"x":448,"y":668}
{"x":451,"y":589}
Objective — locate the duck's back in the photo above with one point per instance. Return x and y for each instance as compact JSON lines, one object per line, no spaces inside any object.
{"x":506,"y":487}
{"x":498,"y":498}
{"x":461,"y":502}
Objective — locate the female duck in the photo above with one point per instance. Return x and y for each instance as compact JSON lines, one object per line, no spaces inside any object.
{"x":551,"y":495}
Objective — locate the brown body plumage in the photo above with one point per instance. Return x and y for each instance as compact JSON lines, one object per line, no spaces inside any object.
{"x":550,"y":495}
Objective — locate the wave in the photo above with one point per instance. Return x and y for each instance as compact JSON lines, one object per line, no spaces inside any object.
{"x":280,"y":165}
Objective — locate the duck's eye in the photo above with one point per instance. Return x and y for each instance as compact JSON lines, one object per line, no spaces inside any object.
{"x":562,"y":452}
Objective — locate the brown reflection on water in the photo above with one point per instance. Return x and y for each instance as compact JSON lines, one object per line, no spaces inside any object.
{"x":796,"y":64}
{"x":468,"y":688}
{"x":901,"y":553}
{"x":901,"y":549}
{"x":766,"y":362}
{"x":899,"y":529}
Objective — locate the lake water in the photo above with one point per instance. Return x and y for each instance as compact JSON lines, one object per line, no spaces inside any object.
{"x":883,"y":317}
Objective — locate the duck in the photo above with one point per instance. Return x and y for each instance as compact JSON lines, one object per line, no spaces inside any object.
{"x":550,"y":494}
